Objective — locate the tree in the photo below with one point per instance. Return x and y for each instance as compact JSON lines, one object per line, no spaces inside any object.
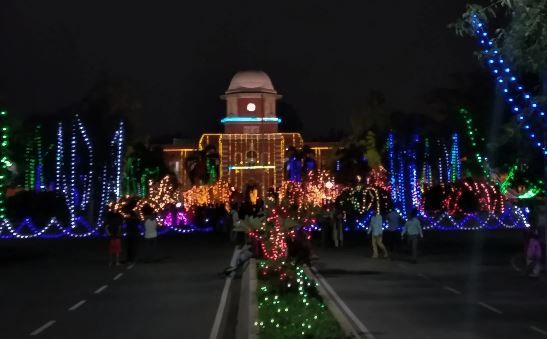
{"x":372,"y":116}
{"x":523,"y":39}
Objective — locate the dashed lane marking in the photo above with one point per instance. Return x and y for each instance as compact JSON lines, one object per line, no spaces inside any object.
{"x":100,"y":289}
{"x":42,"y":328}
{"x":538,"y":330}
{"x":453,"y":290}
{"x":118,"y":276}
{"x":77,"y":305}
{"x":130,"y":266}
{"x":489,"y":307}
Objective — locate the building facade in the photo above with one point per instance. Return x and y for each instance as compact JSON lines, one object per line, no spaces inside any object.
{"x":251,"y":150}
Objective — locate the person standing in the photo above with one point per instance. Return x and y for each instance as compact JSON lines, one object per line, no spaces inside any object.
{"x":375,"y":228}
{"x":150,"y":236}
{"x":132,"y":230}
{"x":413,"y":230}
{"x":392,"y":232}
{"x":338,"y":227}
{"x":252,"y":207}
{"x":533,"y":254}
{"x":113,"y":229}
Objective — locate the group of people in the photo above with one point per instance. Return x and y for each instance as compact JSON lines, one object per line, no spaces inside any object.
{"x":412,"y":229}
{"x":114,"y":231}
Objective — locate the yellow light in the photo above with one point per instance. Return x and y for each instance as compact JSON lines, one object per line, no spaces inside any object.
{"x":251,"y":167}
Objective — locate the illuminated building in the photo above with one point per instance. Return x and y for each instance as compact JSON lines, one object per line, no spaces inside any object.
{"x":251,"y":149}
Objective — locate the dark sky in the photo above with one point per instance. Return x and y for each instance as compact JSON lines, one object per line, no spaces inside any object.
{"x":323,"y":56}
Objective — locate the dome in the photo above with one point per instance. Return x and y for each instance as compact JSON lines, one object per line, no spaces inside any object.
{"x":251,"y":81}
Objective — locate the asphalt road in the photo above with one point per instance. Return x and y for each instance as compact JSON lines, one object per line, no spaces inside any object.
{"x":65,"y":289}
{"x":465,"y":285}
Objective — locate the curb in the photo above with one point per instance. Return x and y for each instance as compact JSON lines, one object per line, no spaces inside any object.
{"x":247,"y":311}
{"x":348,"y":326}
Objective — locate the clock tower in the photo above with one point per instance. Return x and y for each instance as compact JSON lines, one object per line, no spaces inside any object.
{"x":250,"y":104}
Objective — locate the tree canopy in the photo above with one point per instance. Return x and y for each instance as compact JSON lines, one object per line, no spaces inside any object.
{"x":523,"y":35}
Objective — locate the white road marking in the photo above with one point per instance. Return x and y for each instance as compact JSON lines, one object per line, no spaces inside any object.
{"x":130,"y":266}
{"x":42,"y":328}
{"x":362,"y":328}
{"x":100,"y":289}
{"x":453,"y":290}
{"x":538,"y":330}
{"x":118,"y":276}
{"x":223,"y":299}
{"x":488,"y":307}
{"x":77,"y":305}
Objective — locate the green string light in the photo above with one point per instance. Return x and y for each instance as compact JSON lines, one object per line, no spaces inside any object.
{"x":291,"y":308}
{"x":533,"y":189}
{"x":472,"y":134}
{"x":5,"y":163}
{"x":34,"y":163}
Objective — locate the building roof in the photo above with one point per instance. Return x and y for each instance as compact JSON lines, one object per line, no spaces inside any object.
{"x":251,"y":81}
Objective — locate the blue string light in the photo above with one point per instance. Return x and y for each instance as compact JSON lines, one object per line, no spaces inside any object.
{"x":54,"y":229}
{"x":249,"y":119}
{"x":88,"y":183}
{"x":455,"y":159}
{"x":391,"y":164}
{"x":529,"y":115}
{"x":59,"y":187}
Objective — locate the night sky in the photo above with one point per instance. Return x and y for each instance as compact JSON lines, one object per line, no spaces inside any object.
{"x":323,"y":56}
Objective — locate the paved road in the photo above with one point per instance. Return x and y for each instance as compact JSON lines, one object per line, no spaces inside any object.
{"x":464,"y":286}
{"x":176,"y":297}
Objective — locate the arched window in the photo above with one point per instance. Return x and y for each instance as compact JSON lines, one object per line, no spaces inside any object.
{"x":251,"y":158}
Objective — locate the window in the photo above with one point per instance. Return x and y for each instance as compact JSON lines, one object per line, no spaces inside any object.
{"x":251,"y":158}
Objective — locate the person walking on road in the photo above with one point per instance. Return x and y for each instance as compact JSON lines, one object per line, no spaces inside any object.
{"x":392,"y":233}
{"x":413,"y":230}
{"x":375,"y":228}
{"x":150,"y":236}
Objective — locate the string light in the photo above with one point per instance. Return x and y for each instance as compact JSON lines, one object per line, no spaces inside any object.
{"x":59,"y":158}
{"x":5,"y":163}
{"x":39,"y":180}
{"x":532,"y":191}
{"x":427,"y":179}
{"x":88,"y":182}
{"x":455,"y":159}
{"x":530,"y":117}
{"x":249,"y":119}
{"x":217,"y":194}
{"x":34,"y":169}
{"x":472,"y":134}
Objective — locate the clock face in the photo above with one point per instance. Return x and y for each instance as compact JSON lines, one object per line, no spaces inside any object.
{"x":251,"y":107}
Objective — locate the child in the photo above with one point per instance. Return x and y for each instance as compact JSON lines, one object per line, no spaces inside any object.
{"x":533,"y":254}
{"x":114,"y":232}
